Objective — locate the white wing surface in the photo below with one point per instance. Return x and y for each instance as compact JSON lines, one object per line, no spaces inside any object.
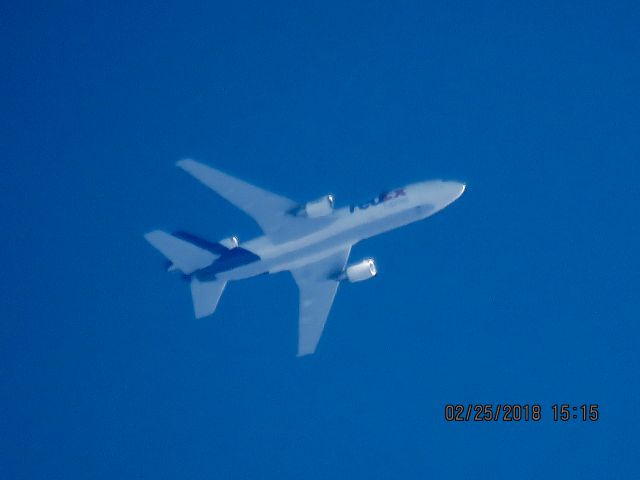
{"x":269,"y":210}
{"x":318,"y":286}
{"x":184,"y":255}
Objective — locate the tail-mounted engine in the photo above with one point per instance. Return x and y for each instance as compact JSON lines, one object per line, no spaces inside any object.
{"x":228,"y":243}
{"x":231,"y":242}
{"x":358,"y":272}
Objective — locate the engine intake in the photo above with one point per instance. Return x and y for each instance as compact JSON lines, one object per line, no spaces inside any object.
{"x":363,"y":270}
{"x":319,"y":208}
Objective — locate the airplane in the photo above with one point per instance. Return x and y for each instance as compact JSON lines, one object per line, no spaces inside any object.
{"x":311,"y":240}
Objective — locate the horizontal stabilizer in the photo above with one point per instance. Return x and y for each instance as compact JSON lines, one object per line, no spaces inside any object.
{"x":205,"y":296}
{"x":217,"y":248}
{"x":184,"y":255}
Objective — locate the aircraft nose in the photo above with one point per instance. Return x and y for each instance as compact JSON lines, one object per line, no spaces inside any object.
{"x":454,"y":191}
{"x":440,"y":193}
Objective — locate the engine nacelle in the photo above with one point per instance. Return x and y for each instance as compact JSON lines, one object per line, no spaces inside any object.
{"x":363,"y":270}
{"x":231,"y":242}
{"x":319,"y":208}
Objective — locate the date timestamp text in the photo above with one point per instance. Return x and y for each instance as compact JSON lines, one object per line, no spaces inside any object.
{"x":520,"y":412}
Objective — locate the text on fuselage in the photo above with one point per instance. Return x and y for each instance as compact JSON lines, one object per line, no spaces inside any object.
{"x":383,"y":197}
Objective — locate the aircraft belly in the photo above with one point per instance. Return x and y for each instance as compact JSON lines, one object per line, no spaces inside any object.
{"x":313,"y":241}
{"x":277,"y":258}
{"x":285,"y":261}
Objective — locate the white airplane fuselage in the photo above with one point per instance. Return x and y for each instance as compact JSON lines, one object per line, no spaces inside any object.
{"x":312,"y":241}
{"x":341,"y":229}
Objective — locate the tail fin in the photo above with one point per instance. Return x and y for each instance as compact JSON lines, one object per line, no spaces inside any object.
{"x":186,"y":256}
{"x":205,"y":296}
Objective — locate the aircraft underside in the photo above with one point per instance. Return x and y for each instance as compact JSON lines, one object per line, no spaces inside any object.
{"x":311,"y":240}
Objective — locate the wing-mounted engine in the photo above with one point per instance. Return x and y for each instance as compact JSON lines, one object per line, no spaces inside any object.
{"x":357,"y":272}
{"x":317,"y":208}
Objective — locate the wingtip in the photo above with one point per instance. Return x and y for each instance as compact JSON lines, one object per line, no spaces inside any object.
{"x":304,"y":353}
{"x":149,"y":235}
{"x":183,"y":162}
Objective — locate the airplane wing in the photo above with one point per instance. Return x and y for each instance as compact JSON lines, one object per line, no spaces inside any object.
{"x":269,"y":210}
{"x":317,"y":290}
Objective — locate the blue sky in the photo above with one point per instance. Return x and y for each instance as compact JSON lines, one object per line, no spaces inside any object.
{"x":525,"y":290}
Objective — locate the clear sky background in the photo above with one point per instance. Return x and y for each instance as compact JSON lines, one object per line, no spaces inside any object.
{"x":525,"y":290}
